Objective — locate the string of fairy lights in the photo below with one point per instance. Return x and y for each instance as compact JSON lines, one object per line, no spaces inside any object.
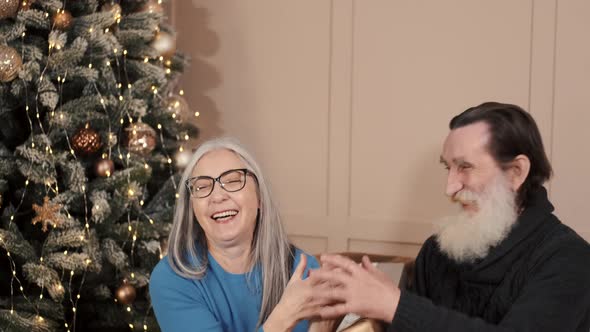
{"x":48,"y":189}
{"x":14,"y":276}
{"x":53,"y":189}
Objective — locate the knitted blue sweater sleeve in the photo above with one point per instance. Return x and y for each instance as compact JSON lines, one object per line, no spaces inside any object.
{"x":177,"y":304}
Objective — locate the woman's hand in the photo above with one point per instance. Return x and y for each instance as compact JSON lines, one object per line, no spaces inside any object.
{"x":297,"y":302}
{"x":363,"y":290}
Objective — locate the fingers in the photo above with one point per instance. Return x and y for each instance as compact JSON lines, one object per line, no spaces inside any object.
{"x":328,"y":266}
{"x":332,"y":278}
{"x":367,"y":264}
{"x":334,"y":311}
{"x":332,"y":268}
{"x":312,"y":312}
{"x":298,"y":273}
{"x":341,"y":262}
{"x":329,"y":295}
{"x":320,"y":302}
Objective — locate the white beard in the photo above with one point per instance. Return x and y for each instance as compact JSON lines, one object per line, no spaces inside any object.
{"x":467,"y":237}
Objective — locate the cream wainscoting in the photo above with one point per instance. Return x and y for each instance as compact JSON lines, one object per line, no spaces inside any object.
{"x":346,"y":103}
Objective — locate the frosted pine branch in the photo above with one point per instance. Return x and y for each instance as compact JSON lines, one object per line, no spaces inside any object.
{"x":45,"y":277}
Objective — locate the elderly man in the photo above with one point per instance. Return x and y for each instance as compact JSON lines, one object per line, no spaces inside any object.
{"x":505,"y":263}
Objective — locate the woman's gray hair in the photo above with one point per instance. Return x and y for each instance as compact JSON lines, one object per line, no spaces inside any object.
{"x":187,"y":246}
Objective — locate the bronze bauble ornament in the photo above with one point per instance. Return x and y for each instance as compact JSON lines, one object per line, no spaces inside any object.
{"x":8,"y":8}
{"x":62,"y":20}
{"x":10,"y":63}
{"x":140,"y":138}
{"x":26,"y":4}
{"x":151,"y":6}
{"x":181,"y":158}
{"x":104,"y":167}
{"x":125,"y":293}
{"x":86,"y":140}
{"x":165,"y":44}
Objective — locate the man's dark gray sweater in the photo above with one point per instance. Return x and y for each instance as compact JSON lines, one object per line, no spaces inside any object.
{"x":537,"y":279}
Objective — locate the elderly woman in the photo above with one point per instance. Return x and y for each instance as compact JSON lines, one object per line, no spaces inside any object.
{"x":230,"y":266}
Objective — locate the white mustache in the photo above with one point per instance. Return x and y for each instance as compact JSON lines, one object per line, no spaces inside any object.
{"x":465,"y":197}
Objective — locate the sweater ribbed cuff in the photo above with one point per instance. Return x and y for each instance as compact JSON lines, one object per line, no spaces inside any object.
{"x":411,"y":313}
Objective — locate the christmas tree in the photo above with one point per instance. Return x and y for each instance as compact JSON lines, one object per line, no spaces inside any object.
{"x":92,"y":128}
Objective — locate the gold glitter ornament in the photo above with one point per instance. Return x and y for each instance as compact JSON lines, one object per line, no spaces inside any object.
{"x":86,"y":140}
{"x":8,"y":8}
{"x":177,"y":107}
{"x":140,"y":138}
{"x":10,"y":62}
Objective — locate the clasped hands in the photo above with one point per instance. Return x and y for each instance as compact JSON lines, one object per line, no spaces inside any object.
{"x":339,"y":287}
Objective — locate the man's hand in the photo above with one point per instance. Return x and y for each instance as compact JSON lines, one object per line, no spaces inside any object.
{"x":360,"y":289}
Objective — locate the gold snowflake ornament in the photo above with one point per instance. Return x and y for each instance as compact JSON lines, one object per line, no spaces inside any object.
{"x":46,"y":214}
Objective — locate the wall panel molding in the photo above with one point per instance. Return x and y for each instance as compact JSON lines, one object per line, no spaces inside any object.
{"x":311,"y":244}
{"x":542,"y":68}
{"x":340,"y":121}
{"x":346,"y":103}
{"x":381,"y":247}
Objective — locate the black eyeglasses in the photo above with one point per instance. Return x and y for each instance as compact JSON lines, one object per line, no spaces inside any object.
{"x":231,"y":181}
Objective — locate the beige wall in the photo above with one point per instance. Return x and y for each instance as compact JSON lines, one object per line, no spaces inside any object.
{"x":346,"y":102}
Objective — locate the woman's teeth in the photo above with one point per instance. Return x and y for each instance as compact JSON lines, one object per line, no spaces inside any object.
{"x":224,"y":215}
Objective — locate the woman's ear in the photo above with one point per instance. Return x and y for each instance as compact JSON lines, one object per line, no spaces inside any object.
{"x":518,"y":171}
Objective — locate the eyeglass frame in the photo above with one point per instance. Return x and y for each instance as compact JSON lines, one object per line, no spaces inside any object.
{"x":245,"y":171}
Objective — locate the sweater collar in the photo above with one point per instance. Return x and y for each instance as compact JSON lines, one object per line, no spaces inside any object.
{"x":532,"y":218}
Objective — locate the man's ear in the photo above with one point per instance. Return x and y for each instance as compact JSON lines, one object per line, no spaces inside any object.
{"x":518,"y":170}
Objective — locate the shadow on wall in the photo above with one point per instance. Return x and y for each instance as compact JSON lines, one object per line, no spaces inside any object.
{"x":198,"y":41}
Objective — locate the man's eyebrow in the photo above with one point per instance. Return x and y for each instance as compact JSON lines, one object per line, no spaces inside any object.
{"x":459,"y":160}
